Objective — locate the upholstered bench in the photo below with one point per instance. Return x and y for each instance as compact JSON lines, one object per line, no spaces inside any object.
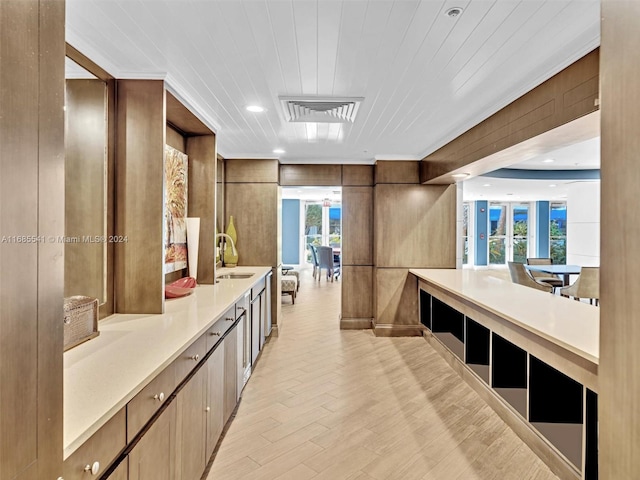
{"x":297,"y":275}
{"x":289,"y":285}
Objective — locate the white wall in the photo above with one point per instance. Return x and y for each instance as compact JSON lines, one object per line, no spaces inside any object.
{"x":583,"y":224}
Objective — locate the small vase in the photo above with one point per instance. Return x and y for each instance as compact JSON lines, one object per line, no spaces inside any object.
{"x":193,"y":241}
{"x":231,"y":260}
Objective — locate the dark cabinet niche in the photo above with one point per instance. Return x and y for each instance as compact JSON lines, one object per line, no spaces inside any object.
{"x":509,"y":373}
{"x":477,"y":340}
{"x":556,"y":408}
{"x":591,"y":441}
{"x":425,"y":309}
{"x":447,"y":324}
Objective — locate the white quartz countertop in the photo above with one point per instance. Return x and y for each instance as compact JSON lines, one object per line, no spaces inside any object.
{"x":565,"y":322}
{"x":103,"y":374}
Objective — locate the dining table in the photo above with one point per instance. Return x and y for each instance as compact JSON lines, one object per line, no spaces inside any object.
{"x":564,"y":270}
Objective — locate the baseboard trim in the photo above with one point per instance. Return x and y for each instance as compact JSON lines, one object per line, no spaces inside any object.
{"x":356,"y":323}
{"x":547,"y":453}
{"x":274,"y":331}
{"x":391,"y":330}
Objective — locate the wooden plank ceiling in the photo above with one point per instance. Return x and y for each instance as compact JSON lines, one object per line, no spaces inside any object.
{"x":425,"y":77}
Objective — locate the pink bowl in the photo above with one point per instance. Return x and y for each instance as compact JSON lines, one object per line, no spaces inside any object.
{"x":180,"y":288}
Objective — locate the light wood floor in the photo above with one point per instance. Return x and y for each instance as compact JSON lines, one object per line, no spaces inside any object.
{"x":329,"y":404}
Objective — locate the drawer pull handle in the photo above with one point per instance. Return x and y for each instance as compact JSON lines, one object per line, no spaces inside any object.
{"x":159,"y":397}
{"x":94,"y":469}
{"x":216,"y":334}
{"x":208,"y":409}
{"x":195,"y":357}
{"x":230,"y":319}
{"x":242,"y":308}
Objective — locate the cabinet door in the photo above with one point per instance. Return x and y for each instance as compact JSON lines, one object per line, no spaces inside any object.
{"x":215,"y":397}
{"x":240,"y":356}
{"x":122,"y":472}
{"x":154,"y":457}
{"x":231,"y":370}
{"x":255,"y":330}
{"x":192,"y":421}
{"x":263,"y":318}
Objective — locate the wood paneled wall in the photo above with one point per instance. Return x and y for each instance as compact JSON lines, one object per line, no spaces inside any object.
{"x":31,"y":204}
{"x":414,"y":227}
{"x":310,"y":175}
{"x":140,"y":143}
{"x":202,"y":154}
{"x":390,"y":223}
{"x":619,"y":370}
{"x":85,"y":175}
{"x":563,"y":98}
{"x":253,"y":197}
{"x":357,"y":249}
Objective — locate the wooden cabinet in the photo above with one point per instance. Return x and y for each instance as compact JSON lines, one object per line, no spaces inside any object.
{"x":195,"y":394}
{"x":99,"y":451}
{"x":192,"y":421}
{"x":142,"y":407}
{"x":154,"y":457}
{"x":232,"y":370}
{"x":190,"y":358}
{"x":256,"y":330}
{"x":121,"y":472}
{"x":215,"y":369}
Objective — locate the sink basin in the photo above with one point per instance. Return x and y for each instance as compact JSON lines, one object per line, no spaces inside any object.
{"x":230,"y":276}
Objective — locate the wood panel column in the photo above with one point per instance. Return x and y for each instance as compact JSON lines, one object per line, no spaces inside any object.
{"x":253,"y":197}
{"x":141,"y":133}
{"x":414,"y":227}
{"x":32,"y":52}
{"x":619,"y":370}
{"x":357,"y":246}
{"x":202,"y":154}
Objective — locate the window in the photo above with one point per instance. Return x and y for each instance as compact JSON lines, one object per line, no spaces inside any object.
{"x":558,"y":232}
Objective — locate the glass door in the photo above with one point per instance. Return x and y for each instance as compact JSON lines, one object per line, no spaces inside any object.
{"x":519,"y":233}
{"x":509,"y":233}
{"x":498,"y":215}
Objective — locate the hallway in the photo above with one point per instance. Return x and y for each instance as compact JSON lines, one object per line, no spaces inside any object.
{"x":330,"y":404}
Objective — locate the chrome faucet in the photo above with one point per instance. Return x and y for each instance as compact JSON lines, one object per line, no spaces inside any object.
{"x":233,"y":247}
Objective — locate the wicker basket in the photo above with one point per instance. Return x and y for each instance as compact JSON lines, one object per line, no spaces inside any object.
{"x":80,"y":320}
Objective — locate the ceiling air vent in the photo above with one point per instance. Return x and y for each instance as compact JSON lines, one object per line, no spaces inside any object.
{"x":321,"y":109}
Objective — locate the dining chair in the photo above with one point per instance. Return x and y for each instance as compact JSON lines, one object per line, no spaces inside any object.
{"x":325,"y":260}
{"x":520,"y":275}
{"x":587,"y":285}
{"x":554,"y":280}
{"x":314,"y":259}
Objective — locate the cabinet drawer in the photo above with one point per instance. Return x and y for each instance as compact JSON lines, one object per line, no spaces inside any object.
{"x":242,"y":305}
{"x":255,"y":291}
{"x":99,"y":451}
{"x":215,"y":333}
{"x":188,"y":359}
{"x":142,"y":407}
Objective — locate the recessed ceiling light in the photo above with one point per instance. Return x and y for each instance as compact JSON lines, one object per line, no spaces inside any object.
{"x":255,"y":108}
{"x":548,"y":160}
{"x":509,"y":194}
{"x":486,"y":185}
{"x":453,"y":12}
{"x":460,"y":175}
{"x":553,"y":185}
{"x":278,"y":150}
